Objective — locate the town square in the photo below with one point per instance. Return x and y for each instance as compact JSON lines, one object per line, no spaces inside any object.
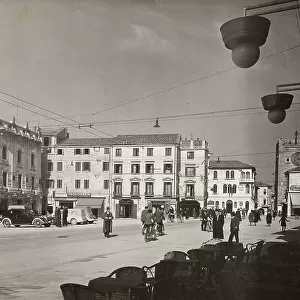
{"x":150,"y":150}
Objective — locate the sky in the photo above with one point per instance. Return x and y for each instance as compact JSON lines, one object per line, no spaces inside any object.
{"x":81,"y":59}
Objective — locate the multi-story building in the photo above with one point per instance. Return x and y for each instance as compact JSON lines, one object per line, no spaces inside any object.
{"x":293,"y":191}
{"x":287,"y":157}
{"x":231,"y":185}
{"x":20,"y":166}
{"x":264,"y":195}
{"x":144,"y":172}
{"x":193,"y":174}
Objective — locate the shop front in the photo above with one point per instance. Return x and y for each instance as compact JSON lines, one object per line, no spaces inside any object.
{"x":190,"y":208}
{"x":126,"y":208}
{"x":95,"y":203}
{"x":294,"y":204}
{"x":164,"y":203}
{"x":68,"y":202}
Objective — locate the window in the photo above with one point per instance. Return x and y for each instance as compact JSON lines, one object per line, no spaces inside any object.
{"x":135,"y":188}
{"x":223,"y":204}
{"x":105,"y":166}
{"x":59,"y":151}
{"x":243,"y":175}
{"x":118,"y":188}
{"x":86,"y":166}
{"x":248,"y":175}
{"x":106,"y":150}
{"x":234,"y":189}
{"x":287,"y":159}
{"x":217,"y":203}
{"x":149,"y":151}
{"x":229,"y":189}
{"x":167,"y":188}
{"x":227,"y":174}
{"x":190,"y":190}
{"x":77,"y":166}
{"x":4,"y":153}
{"x":77,"y":151}
{"x":190,"y":171}
{"x":46,"y":141}
{"x":167,"y":168}
{"x":32,"y":160}
{"x":118,"y":168}
{"x":4,"y":179}
{"x":247,"y":189}
{"x":33,"y":183}
{"x":135,"y":169}
{"x":265,"y":201}
{"x":86,"y":151}
{"x":135,"y":151}
{"x":19,"y":156}
{"x":168,"y":151}
{"x":118,"y":152}
{"x":50,"y":183}
{"x":215,"y":189}
{"x":106,"y":184}
{"x":50,"y":166}
{"x":232,"y":174}
{"x":77,"y":183}
{"x":149,"y":189}
{"x":215,"y":174}
{"x":265,"y":191}
{"x":59,"y":183}
{"x":235,"y":204}
{"x":86,"y":184}
{"x":59,"y":166}
{"x":190,"y":155}
{"x":224,"y":188}
{"x":19,"y":181}
{"x":149,"y":169}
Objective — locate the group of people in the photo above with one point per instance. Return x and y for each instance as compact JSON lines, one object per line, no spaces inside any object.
{"x":149,"y":219}
{"x":61,"y":216}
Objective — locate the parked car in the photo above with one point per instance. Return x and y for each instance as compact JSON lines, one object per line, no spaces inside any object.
{"x":77,"y":216}
{"x":17,"y":215}
{"x":89,"y":215}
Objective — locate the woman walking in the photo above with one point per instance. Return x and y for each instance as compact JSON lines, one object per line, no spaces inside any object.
{"x":107,"y":222}
{"x":218,"y":223}
{"x":282,"y":222}
{"x":269,"y":218}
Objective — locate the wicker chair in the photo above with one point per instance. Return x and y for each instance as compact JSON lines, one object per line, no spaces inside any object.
{"x":176,"y":255}
{"x":231,"y":286}
{"x":74,"y":291}
{"x":253,"y":250}
{"x":169,"y":289}
{"x":198,"y":254}
{"x":129,"y":272}
{"x":161,"y":270}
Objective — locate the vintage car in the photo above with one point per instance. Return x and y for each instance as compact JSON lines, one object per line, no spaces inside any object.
{"x":17,"y":215}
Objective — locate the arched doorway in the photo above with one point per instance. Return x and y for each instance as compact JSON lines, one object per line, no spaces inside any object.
{"x":229,"y":206}
{"x":247,"y":205}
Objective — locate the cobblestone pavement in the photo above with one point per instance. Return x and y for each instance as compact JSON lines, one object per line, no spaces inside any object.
{"x":35,"y":261}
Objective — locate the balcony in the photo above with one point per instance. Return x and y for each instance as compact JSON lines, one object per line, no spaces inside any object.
{"x":135,"y":194}
{"x":149,"y":194}
{"x":167,"y":194}
{"x":190,"y":195}
{"x":246,"y":180}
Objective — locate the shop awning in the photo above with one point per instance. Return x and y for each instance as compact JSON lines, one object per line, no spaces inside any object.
{"x":65,"y":199}
{"x":90,"y":202}
{"x":189,"y":202}
{"x":295,"y":200}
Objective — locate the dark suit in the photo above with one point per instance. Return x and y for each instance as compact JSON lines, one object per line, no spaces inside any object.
{"x":218,"y":223}
{"x":234,"y":229}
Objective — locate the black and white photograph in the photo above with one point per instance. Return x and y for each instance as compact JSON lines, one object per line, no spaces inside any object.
{"x":149,"y":150}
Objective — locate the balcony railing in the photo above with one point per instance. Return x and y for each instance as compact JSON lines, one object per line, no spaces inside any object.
{"x":167,"y":194}
{"x":117,"y":193}
{"x":149,"y":194}
{"x":190,"y":195}
{"x":135,"y":194}
{"x":246,"y":180}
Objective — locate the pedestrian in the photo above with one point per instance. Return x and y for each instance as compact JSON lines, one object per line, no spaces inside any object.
{"x":234,"y":228}
{"x":218,"y":223}
{"x":256,"y":216}
{"x":107,"y":222}
{"x":251,"y":218}
{"x":238,"y":214}
{"x":269,"y":218}
{"x":282,"y":222}
{"x":204,"y":221}
{"x":274,"y":215}
{"x":65,"y":216}
{"x":57,"y":217}
{"x":159,"y":218}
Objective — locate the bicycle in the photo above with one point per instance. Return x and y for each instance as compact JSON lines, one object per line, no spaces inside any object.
{"x":170,"y":218}
{"x":180,"y":219}
{"x":149,"y":233}
{"x":209,"y":226}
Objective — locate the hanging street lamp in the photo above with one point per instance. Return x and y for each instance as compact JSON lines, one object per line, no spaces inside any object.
{"x":156,"y":124}
{"x":245,"y":35}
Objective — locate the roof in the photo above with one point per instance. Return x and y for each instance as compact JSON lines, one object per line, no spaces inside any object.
{"x":92,"y":142}
{"x":139,"y":139}
{"x":296,"y":169}
{"x":229,"y":164}
{"x":147,"y":139}
{"x":261,"y":184}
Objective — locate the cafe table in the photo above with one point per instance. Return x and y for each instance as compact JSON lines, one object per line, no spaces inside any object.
{"x":108,"y":284}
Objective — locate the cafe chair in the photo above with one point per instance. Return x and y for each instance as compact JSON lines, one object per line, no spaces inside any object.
{"x":176,"y":255}
{"x":74,"y":291}
{"x":230,"y":286}
{"x":161,"y":270}
{"x":129,"y":272}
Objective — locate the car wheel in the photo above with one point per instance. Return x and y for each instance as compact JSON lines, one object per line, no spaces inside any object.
{"x":73,"y":221}
{"x":47,"y":225}
{"x":17,"y":225}
{"x":37,"y":223}
{"x":6,"y":222}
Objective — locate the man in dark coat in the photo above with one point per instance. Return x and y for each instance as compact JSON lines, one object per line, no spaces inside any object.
{"x":143,"y":214}
{"x":218,"y":223}
{"x":238,"y":214}
{"x":204,"y":220}
{"x":107,"y":222}
{"x":57,"y":217}
{"x":159,"y":217}
{"x":65,"y":216}
{"x":234,"y":228}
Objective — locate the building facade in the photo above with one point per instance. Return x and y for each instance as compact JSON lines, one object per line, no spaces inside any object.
{"x":231,"y":185}
{"x":20,"y":166}
{"x":287,"y":157}
{"x":293,"y":191}
{"x":264,"y":195}
{"x":193,"y":174}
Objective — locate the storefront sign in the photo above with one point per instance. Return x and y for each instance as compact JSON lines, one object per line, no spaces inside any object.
{"x":295,"y":188}
{"x":79,"y":195}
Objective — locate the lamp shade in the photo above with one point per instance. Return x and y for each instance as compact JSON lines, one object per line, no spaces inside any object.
{"x":281,"y":100}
